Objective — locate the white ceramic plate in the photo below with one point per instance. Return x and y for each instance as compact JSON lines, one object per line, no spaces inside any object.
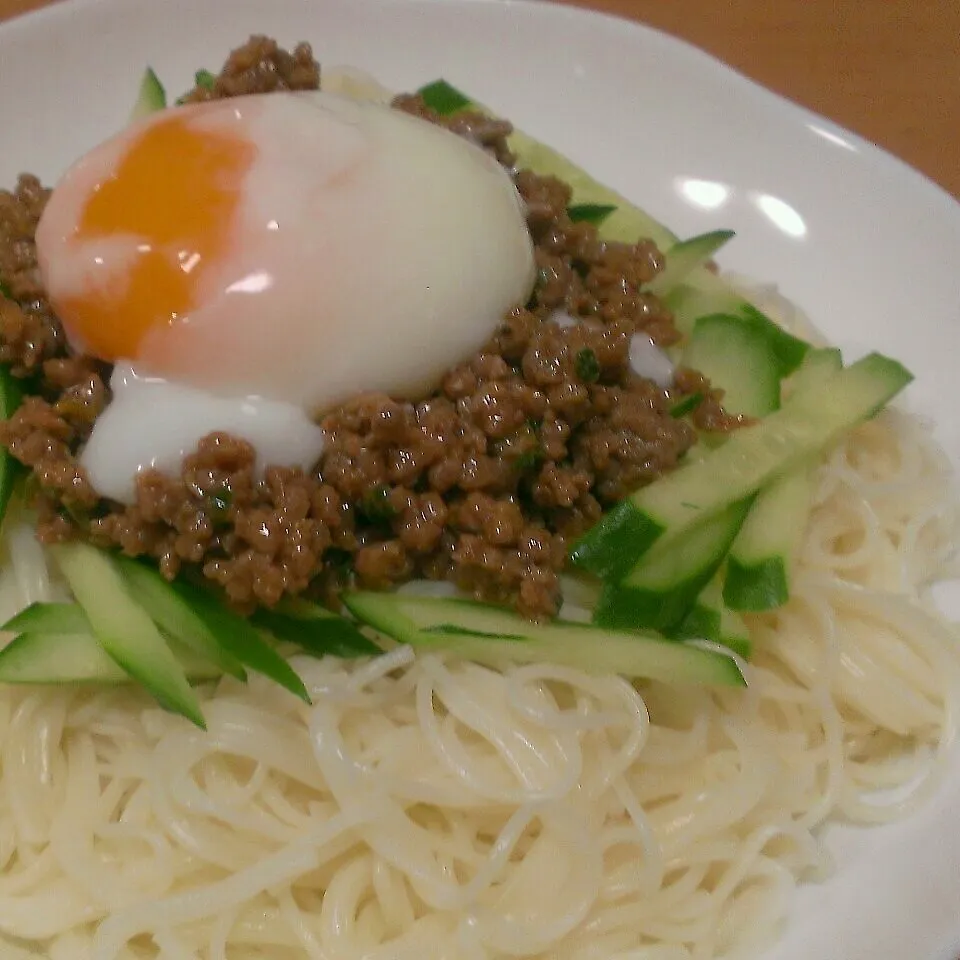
{"x":864,"y":244}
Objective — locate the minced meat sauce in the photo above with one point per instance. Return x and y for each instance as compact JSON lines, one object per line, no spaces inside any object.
{"x":485,"y":482}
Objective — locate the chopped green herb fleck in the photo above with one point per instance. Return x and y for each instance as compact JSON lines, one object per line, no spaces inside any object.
{"x":219,"y":503}
{"x":376,"y":506}
{"x":529,"y":459}
{"x":588,"y":367}
{"x":5,"y":291}
{"x":594,"y":213}
{"x":443,"y":98}
{"x":205,"y":79}
{"x":340,"y":561}
{"x":687,"y":405}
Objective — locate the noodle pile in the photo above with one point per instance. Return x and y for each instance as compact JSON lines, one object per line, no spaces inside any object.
{"x":424,"y":809}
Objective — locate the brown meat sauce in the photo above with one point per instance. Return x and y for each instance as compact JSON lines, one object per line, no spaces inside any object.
{"x":484,"y":483}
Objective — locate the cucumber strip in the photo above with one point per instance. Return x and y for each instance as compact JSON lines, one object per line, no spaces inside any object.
{"x":151,"y":96}
{"x":175,"y":616}
{"x":748,"y":460}
{"x":704,"y":293}
{"x":734,"y":357}
{"x":758,"y":568}
{"x":318,"y":631}
{"x":762,"y":556}
{"x":491,"y":635}
{"x":49,"y":618}
{"x":684,"y":257}
{"x":660,"y":590}
{"x":124,"y":629}
{"x":817,"y":367}
{"x":711,"y":619}
{"x":10,"y":468}
{"x":241,"y":639}
{"x":625,"y":222}
{"x":55,"y":658}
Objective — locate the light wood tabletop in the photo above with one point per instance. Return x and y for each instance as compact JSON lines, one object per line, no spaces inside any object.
{"x":887,"y":69}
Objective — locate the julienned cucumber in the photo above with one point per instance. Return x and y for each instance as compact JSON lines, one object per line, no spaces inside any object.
{"x":711,"y":619}
{"x":151,"y":96}
{"x":761,"y":559}
{"x":750,"y":458}
{"x":758,"y":567}
{"x":49,"y":618}
{"x":659,"y":591}
{"x":817,"y":367}
{"x":491,"y":635}
{"x":703,"y":293}
{"x":241,"y":639}
{"x":684,"y":257}
{"x":317,"y":630}
{"x":124,"y":629}
{"x":47,"y":657}
{"x":175,"y":616}
{"x":625,"y":222}
{"x":734,"y":357}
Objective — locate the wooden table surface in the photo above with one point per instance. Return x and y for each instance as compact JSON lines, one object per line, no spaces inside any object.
{"x":887,"y":69}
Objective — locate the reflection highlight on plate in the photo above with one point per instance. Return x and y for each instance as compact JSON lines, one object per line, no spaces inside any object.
{"x":832,"y":137}
{"x":706,"y":194}
{"x":781,"y":215}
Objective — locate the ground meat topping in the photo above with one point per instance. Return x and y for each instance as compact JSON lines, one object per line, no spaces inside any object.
{"x":261,"y":66}
{"x":485,"y":482}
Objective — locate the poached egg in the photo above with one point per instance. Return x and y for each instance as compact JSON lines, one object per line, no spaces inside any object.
{"x":248,"y":264}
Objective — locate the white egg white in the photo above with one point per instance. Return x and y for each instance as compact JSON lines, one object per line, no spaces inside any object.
{"x":153,"y":424}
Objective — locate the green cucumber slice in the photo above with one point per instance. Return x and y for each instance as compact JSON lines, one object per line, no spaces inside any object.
{"x":817,"y":367}
{"x":660,"y":590}
{"x":739,"y":360}
{"x":625,"y":222}
{"x":151,"y":96}
{"x":124,"y":629}
{"x":684,"y":257}
{"x":175,"y":616}
{"x":491,"y":635}
{"x":758,"y":568}
{"x":240,"y":638}
{"x":55,"y":658}
{"x":49,"y":618}
{"x":704,"y":293}
{"x":748,"y":460}
{"x":762,"y":556}
{"x":711,"y":619}
{"x":319,"y":631}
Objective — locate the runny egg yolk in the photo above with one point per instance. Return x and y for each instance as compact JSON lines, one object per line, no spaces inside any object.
{"x":176,"y":190}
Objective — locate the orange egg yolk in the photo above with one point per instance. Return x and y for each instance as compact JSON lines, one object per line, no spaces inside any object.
{"x":175,"y":195}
